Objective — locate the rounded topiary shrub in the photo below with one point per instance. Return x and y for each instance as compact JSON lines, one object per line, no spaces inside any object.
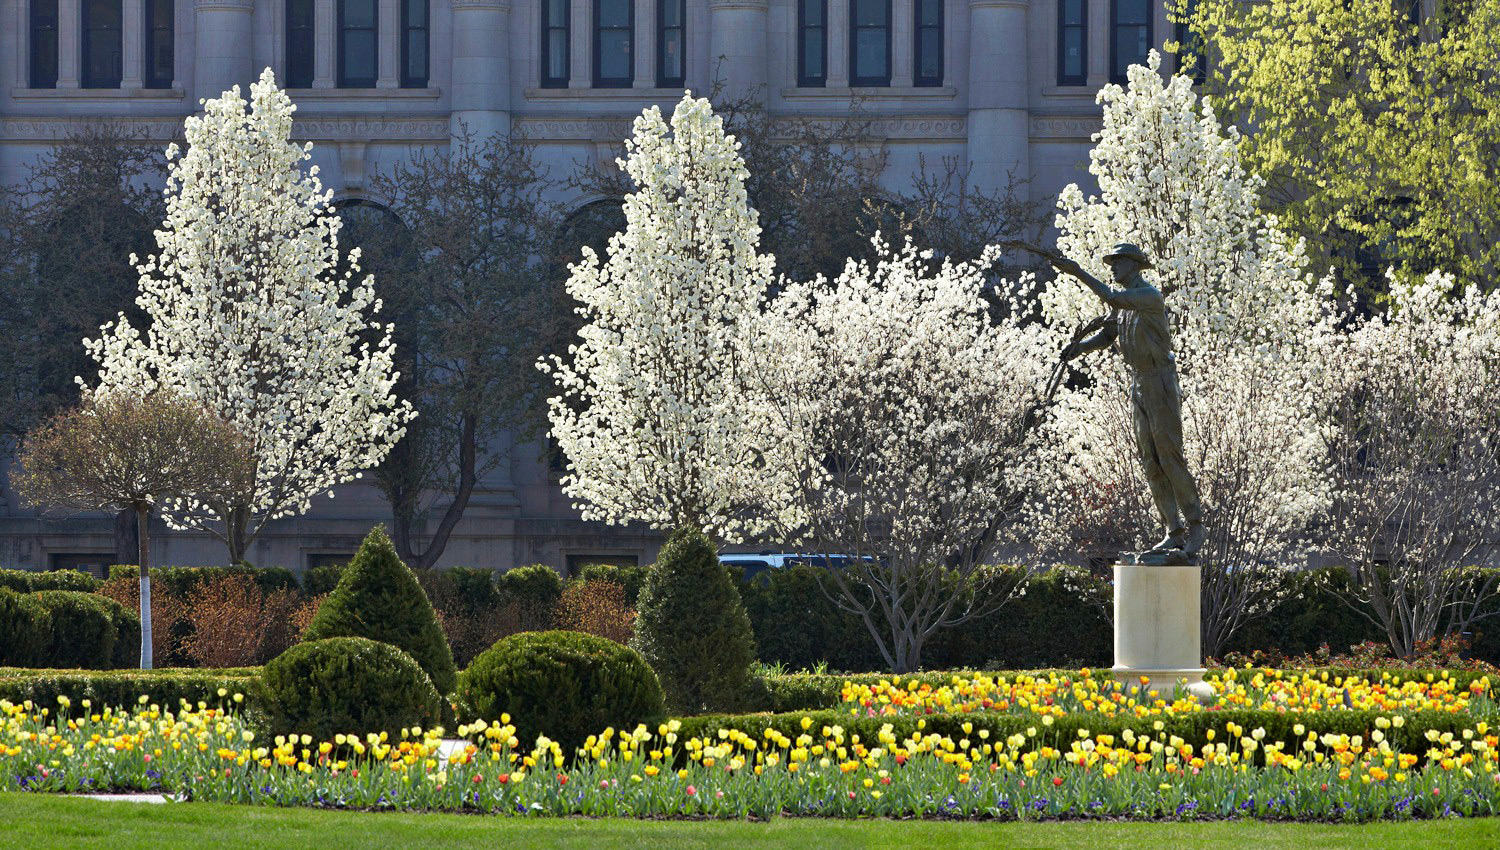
{"x":692,"y":629}
{"x":25,"y":630}
{"x":347,"y":684}
{"x":83,"y":632}
{"x":378,"y":598}
{"x":565,"y":685}
{"x":530,"y":595}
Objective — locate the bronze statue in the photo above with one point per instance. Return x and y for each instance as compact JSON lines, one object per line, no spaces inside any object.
{"x":1139,"y":328}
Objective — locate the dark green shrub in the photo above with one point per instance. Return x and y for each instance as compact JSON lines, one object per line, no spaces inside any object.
{"x":347,"y":684}
{"x":631,"y":579}
{"x":317,"y":581}
{"x":127,"y":623}
{"x":530,"y":593}
{"x":379,"y":598}
{"x":124,"y":689}
{"x":25,"y":630}
{"x":797,"y":626}
{"x":83,"y":630}
{"x":565,"y":685}
{"x":24,"y":581}
{"x":1050,"y":625}
{"x":692,"y":629}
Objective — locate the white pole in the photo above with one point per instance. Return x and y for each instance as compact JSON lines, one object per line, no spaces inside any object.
{"x":145,"y":621}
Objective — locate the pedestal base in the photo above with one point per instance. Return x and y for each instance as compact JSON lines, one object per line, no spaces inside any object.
{"x":1157,"y":622}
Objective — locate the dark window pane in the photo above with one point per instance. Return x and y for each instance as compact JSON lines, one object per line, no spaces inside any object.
{"x":671,"y":55}
{"x":416,"y":55}
{"x":1072,"y":12}
{"x":359,"y":57}
{"x":557,"y":54}
{"x":416,"y":14}
{"x":930,"y":53}
{"x":671,"y":13}
{"x":614,"y":14}
{"x":614,"y":54}
{"x":557,"y":13}
{"x":1073,"y":52}
{"x":1131,"y":11}
{"x":359,"y":14}
{"x":812,"y":13}
{"x":929,"y":13}
{"x":1131,"y":46}
{"x":101,"y":44}
{"x":299,"y":14}
{"x":869,"y":53}
{"x":299,"y":44}
{"x":812,"y":55}
{"x":869,"y":13}
{"x":43,"y":44}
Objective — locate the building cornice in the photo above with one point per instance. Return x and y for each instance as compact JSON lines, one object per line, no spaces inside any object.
{"x":311,"y":128}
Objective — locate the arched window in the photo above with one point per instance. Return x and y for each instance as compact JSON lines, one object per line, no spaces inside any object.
{"x":556,"y":28}
{"x":359,"y":32}
{"x":161,"y":16}
{"x":102,"y":55}
{"x":614,"y":43}
{"x":671,"y":43}
{"x":870,"y":43}
{"x":44,"y":44}
{"x":415,"y":16}
{"x":299,"y":44}
{"x":1130,"y":36}
{"x":929,"y":43}
{"x":812,"y":43}
{"x":1072,"y":42}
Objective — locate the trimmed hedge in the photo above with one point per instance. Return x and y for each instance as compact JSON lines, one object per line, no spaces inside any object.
{"x":25,"y":629}
{"x":347,"y":684}
{"x":26,"y":581}
{"x":83,"y":632}
{"x":565,"y":685}
{"x":1192,"y":728}
{"x":165,"y":687}
{"x":379,"y":598}
{"x":630,"y":579}
{"x":182,"y":581}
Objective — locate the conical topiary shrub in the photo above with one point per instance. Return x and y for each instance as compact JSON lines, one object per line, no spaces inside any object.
{"x":378,"y":598}
{"x":691,"y":627}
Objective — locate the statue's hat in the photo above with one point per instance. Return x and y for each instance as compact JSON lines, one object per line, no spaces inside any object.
{"x":1134,"y":252}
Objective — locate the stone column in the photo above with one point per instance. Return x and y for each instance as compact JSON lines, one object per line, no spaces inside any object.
{"x":222,"y":44}
{"x":325,"y":44}
{"x":1157,"y":628}
{"x":133,"y":46}
{"x":481,"y":67}
{"x":69,"y":42}
{"x":999,"y":124}
{"x":580,"y":46}
{"x":389,"y":45}
{"x":838,"y":44}
{"x":903,"y":42}
{"x":737,"y":45}
{"x":643,"y":59}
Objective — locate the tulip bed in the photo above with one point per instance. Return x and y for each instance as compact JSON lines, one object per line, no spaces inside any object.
{"x":210,"y":754}
{"x":1062,"y":694}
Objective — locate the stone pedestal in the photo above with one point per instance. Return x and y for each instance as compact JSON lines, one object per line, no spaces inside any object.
{"x":1157,"y":621}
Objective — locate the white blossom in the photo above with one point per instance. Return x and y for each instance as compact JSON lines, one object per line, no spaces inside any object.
{"x":252,"y":316}
{"x":657,"y":415}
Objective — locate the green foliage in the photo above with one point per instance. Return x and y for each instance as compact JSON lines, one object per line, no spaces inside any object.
{"x":798,"y":626}
{"x":1377,"y":140}
{"x":182,"y":581}
{"x":123,"y":689}
{"x":1308,"y":618}
{"x":631,"y":579}
{"x":691,"y":626}
{"x":83,"y":630}
{"x":1049,"y":626}
{"x":317,"y":581}
{"x":566,"y":685}
{"x":379,"y":598}
{"x":26,"y":581}
{"x":25,"y":630}
{"x":127,"y":623}
{"x":536,"y":585}
{"x":347,"y":684}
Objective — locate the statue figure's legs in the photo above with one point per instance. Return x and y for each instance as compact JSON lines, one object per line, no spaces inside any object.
{"x":1157,"y":404}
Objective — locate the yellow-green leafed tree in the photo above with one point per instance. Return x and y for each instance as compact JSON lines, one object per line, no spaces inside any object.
{"x":1376,"y":124}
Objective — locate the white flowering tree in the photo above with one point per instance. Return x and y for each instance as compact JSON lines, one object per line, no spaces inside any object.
{"x":1243,"y":313}
{"x":908,"y":410}
{"x":657,"y":413}
{"x":252,"y":317}
{"x":1415,"y":465}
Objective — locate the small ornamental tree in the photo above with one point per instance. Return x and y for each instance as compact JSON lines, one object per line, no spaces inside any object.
{"x":909,"y":410}
{"x":125,"y":452}
{"x":1244,"y":313}
{"x":655,"y":413}
{"x":691,"y":626}
{"x":379,"y":598}
{"x":252,"y":318}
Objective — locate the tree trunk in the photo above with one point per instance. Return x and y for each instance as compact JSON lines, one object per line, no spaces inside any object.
{"x":405,"y":519}
{"x":236,"y":521}
{"x":127,"y":542}
{"x":143,"y":538}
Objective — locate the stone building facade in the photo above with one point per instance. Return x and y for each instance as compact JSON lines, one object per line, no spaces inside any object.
{"x":1002,"y":84}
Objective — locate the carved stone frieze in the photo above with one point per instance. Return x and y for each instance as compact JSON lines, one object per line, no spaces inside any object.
{"x":1081,"y":128}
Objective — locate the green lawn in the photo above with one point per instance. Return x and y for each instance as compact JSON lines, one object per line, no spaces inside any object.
{"x":35,"y":822}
